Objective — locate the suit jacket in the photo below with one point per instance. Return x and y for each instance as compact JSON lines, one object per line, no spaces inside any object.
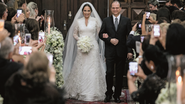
{"x":7,"y":69}
{"x":121,"y":34}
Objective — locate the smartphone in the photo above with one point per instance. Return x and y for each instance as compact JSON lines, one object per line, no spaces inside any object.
{"x":147,"y":15}
{"x":138,"y":46}
{"x":19,"y":12}
{"x":142,"y":38}
{"x":1,"y":25}
{"x":27,"y":38}
{"x":156,"y":30}
{"x":15,"y":39}
{"x":50,"y":58}
{"x":133,"y":68}
{"x":25,"y":50}
{"x":41,"y":37}
{"x":140,"y":26}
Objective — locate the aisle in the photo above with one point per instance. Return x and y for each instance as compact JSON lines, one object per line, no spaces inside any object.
{"x":125,"y":99}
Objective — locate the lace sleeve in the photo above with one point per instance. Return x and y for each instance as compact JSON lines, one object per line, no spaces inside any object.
{"x":97,"y":27}
{"x":76,"y":31}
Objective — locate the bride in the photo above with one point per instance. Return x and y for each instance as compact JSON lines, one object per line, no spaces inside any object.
{"x":84,"y":73}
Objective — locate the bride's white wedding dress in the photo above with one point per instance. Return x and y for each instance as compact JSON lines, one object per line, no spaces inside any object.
{"x":87,"y":78}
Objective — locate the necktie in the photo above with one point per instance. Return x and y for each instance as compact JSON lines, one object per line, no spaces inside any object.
{"x":116,"y":23}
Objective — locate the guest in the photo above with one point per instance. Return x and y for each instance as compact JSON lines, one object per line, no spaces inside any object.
{"x":33,"y":11}
{"x":3,"y":34}
{"x":33,"y":27}
{"x":168,"y":3}
{"x":11,"y":13}
{"x":7,"y":68}
{"x":32,"y":85}
{"x":163,"y":20}
{"x":41,"y":20}
{"x":177,"y":4}
{"x":3,"y":11}
{"x":175,"y":39}
{"x":27,"y":13}
{"x":178,"y":14}
{"x":176,"y":21}
{"x":163,"y":12}
{"x":156,"y":61}
{"x":153,"y":5}
{"x":22,"y":4}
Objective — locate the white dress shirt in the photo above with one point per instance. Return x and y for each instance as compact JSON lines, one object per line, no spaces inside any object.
{"x":114,"y":18}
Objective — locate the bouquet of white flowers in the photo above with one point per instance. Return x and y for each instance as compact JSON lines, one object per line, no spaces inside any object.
{"x":84,"y":44}
{"x":165,"y":97}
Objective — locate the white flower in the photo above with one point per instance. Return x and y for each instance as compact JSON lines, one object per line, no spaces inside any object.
{"x":84,"y":44}
{"x":55,"y":46}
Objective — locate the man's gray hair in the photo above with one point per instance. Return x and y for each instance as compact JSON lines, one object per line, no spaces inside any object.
{"x":6,"y":47}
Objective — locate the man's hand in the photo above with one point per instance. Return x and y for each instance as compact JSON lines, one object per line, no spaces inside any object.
{"x":13,"y":20}
{"x":3,"y":34}
{"x":105,"y":35}
{"x":114,"y":41}
{"x":38,"y":18}
{"x":21,"y":18}
{"x":129,"y":56}
{"x":33,"y":43}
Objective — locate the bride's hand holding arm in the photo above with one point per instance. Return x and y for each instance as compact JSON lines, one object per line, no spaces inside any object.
{"x":75,"y":35}
{"x":103,"y":36}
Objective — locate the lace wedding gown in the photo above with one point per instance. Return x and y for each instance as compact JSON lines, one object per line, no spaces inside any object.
{"x":87,"y":79}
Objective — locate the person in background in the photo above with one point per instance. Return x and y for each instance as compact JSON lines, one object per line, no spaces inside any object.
{"x":7,"y":68}
{"x":177,"y":4}
{"x":163,"y":12}
{"x":156,"y":61}
{"x":41,"y":20}
{"x":3,"y":12}
{"x":178,"y":14}
{"x":11,"y":13}
{"x":33,"y":27}
{"x":33,"y":84}
{"x":153,"y":5}
{"x":3,"y":34}
{"x":22,"y":4}
{"x":168,"y":3}
{"x":33,"y":8}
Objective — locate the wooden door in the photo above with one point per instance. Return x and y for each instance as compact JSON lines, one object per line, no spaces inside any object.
{"x":132,"y":9}
{"x":74,"y":5}
{"x":65,"y":10}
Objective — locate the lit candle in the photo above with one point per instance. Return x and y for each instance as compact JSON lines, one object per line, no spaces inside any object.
{"x":183,"y":90}
{"x":179,"y":87}
{"x":19,"y":34}
{"x":49,"y":24}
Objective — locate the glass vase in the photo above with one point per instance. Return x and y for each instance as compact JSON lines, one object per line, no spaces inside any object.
{"x":49,"y":21}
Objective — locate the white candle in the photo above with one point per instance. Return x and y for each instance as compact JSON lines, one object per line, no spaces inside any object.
{"x":49,"y":23}
{"x":179,"y":89}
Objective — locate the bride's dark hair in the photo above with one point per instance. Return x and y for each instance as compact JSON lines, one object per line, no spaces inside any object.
{"x":85,"y":6}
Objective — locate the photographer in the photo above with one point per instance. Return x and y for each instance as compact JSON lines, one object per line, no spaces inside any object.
{"x":148,"y":92}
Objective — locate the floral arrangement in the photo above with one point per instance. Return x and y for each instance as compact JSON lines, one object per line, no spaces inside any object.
{"x":55,"y":46}
{"x":84,"y":44}
{"x":1,"y":100}
{"x":167,"y":95}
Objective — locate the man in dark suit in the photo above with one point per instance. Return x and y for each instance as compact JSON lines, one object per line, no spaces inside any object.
{"x":7,"y":68}
{"x":113,"y":32}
